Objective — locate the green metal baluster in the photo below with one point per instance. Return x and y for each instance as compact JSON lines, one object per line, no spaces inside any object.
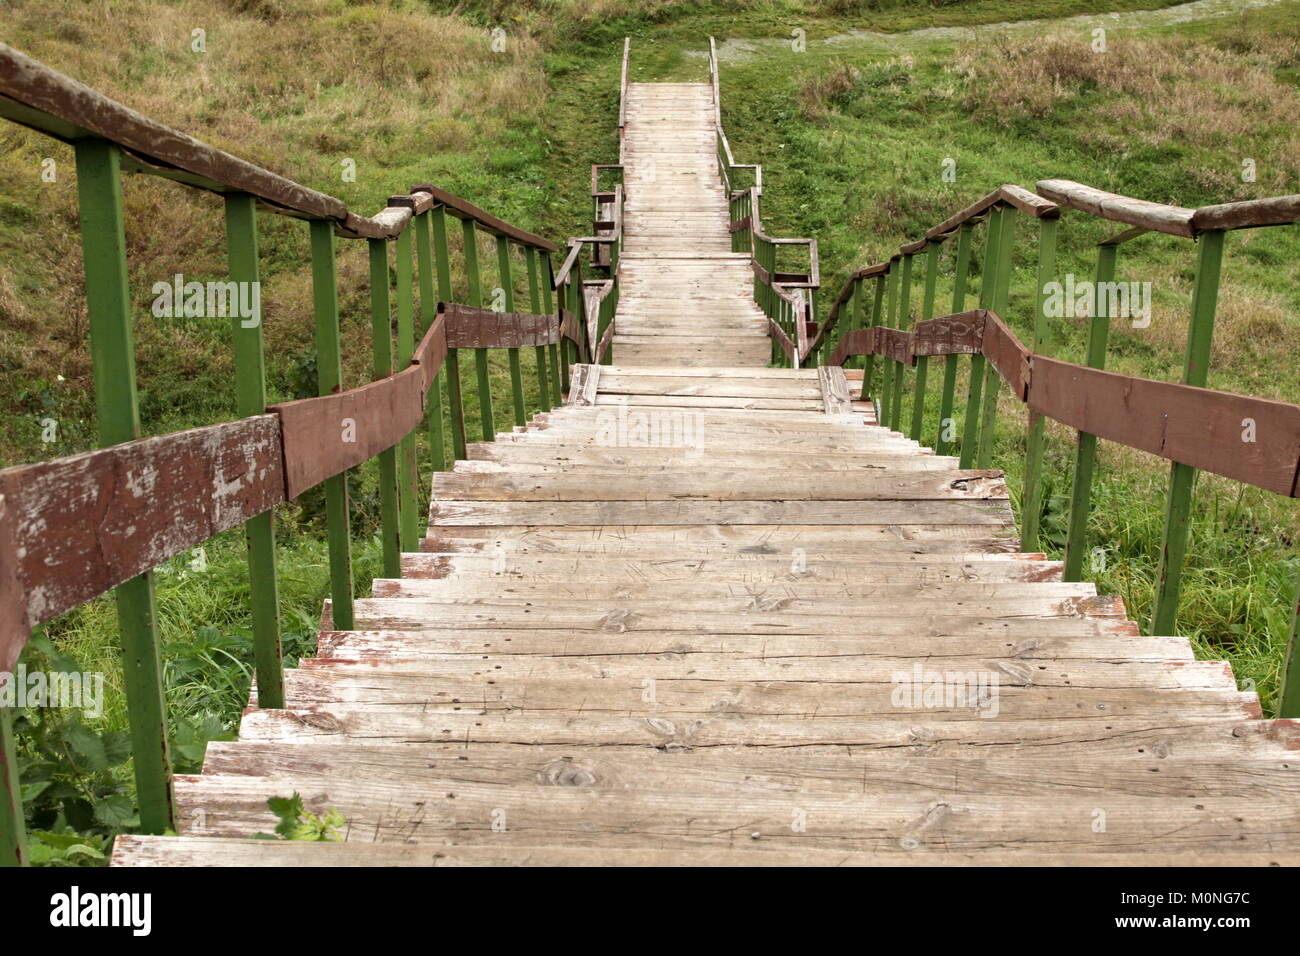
{"x":250,"y":399}
{"x":547,"y":278}
{"x":1289,"y":694}
{"x":456,"y":403}
{"x":1182,"y":478}
{"x":946,"y":400}
{"x":112,"y":351}
{"x":878,"y":318}
{"x":539,"y":352}
{"x":408,"y":469}
{"x":329,"y":372}
{"x":889,"y":371}
{"x":13,"y":825}
{"x":1076,"y":542}
{"x":381,"y":328}
{"x":512,"y":355}
{"x":1000,"y":298}
{"x":568,"y":347}
{"x":1032,"y":498}
{"x":979,"y":371}
{"x":487,"y":423}
{"x":927,"y":312}
{"x":904,"y":322}
{"x":428,"y":315}
{"x":442,"y":265}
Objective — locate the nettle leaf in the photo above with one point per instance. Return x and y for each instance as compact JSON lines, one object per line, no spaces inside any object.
{"x":32,"y":790}
{"x":115,"y":811}
{"x":86,"y":852}
{"x":290,"y":811}
{"x":86,"y":744}
{"x":117,"y":747}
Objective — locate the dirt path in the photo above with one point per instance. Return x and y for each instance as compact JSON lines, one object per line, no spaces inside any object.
{"x":739,"y":50}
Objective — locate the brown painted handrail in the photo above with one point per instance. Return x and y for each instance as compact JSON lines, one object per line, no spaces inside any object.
{"x":75,"y":527}
{"x":1199,"y":427}
{"x":43,"y":99}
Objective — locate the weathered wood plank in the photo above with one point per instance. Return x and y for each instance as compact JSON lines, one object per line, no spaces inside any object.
{"x":325,"y":436}
{"x":835,"y":390}
{"x":469,"y":327}
{"x":717,"y":485}
{"x":1253,"y":440}
{"x":73,"y":528}
{"x":131,"y":850}
{"x":986,"y":513}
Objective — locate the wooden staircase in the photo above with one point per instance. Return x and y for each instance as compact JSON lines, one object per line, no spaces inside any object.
{"x":711,"y":613}
{"x":687,"y":299}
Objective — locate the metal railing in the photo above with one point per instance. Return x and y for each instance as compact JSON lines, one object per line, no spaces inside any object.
{"x":74,"y":528}
{"x":1188,"y":424}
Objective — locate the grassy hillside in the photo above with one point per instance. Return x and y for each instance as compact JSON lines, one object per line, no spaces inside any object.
{"x":852,"y":132}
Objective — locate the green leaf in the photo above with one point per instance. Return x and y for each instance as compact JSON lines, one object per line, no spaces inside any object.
{"x":86,"y":744}
{"x":115,"y":811}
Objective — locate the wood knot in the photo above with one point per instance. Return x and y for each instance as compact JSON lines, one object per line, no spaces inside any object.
{"x":565,"y":773}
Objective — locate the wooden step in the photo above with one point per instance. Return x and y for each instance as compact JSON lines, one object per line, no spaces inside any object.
{"x":438,"y":642}
{"x":132,"y":850}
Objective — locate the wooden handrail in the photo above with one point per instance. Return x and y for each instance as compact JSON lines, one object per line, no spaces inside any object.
{"x":1174,"y":220}
{"x":34,"y":95}
{"x":75,"y":527}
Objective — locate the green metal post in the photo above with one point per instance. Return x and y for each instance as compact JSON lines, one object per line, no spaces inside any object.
{"x":877,"y":318}
{"x":979,"y":371}
{"x":381,"y":328}
{"x":1085,"y":457}
{"x":1289,"y":695}
{"x":970,"y":439}
{"x":927,"y":312}
{"x":13,"y":826}
{"x":456,"y":403}
{"x":889,"y":371}
{"x":329,"y":372}
{"x":112,"y":351}
{"x":428,"y":314}
{"x":903,"y":321}
{"x":442,"y":264}
{"x":1031,"y":504}
{"x":408,"y":469}
{"x":946,"y":399}
{"x":470,"y":235}
{"x":250,"y":399}
{"x":1000,"y":296}
{"x":546,"y":278}
{"x":539,"y":352}
{"x":1182,"y":478}
{"x":512,"y":355}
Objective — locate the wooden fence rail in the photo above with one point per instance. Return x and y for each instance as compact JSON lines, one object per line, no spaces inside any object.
{"x":1199,"y":427}
{"x":77,"y":527}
